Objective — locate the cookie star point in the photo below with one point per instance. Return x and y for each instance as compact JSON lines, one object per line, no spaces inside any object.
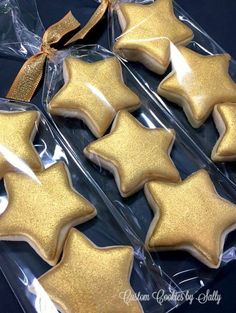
{"x":17,"y":130}
{"x":192,"y":205}
{"x":42,"y":209}
{"x":93,"y":92}
{"x":90,"y":278}
{"x":225,"y":120}
{"x":197,"y":83}
{"x":148,"y":31}
{"x":134,"y":154}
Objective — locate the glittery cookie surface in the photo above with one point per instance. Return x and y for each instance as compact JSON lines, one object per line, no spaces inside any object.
{"x":190,"y":215}
{"x":225,"y":120}
{"x":41,"y":209}
{"x":90,"y":279}
{"x":198,"y":83}
{"x":134,"y":153}
{"x":149,"y":30}
{"x":93,"y":92}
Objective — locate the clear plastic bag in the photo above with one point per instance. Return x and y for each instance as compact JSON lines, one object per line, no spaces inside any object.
{"x":22,"y":266}
{"x":205,"y":136}
{"x":185,"y":271}
{"x":21,"y":28}
{"x":120,"y":221}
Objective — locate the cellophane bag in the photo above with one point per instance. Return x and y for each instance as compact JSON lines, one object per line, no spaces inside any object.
{"x":185,"y":272}
{"x":21,"y":265}
{"x":205,"y":136}
{"x":21,"y":28}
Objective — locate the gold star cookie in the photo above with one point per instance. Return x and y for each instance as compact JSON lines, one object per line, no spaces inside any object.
{"x":91,"y":279}
{"x":93,"y":92}
{"x":17,"y":130}
{"x":148,"y":31}
{"x":225,"y":119}
{"x":191,"y":216}
{"x":197,"y":83}
{"x":41,"y":210}
{"x":134,"y":153}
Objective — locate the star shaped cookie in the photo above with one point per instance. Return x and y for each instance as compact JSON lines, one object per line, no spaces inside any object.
{"x":225,"y":119}
{"x":148,"y":31}
{"x":17,"y":130}
{"x":197,"y":83}
{"x":41,"y":209}
{"x":91,"y":279}
{"x":93,"y":92}
{"x":134,"y":153}
{"x":190,"y":216}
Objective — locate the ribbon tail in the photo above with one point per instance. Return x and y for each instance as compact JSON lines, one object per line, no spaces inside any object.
{"x":30,"y":75}
{"x":95,"y":18}
{"x":28,"y":79}
{"x":55,"y":32}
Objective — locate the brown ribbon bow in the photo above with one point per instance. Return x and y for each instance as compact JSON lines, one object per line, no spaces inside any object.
{"x":31,"y":73}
